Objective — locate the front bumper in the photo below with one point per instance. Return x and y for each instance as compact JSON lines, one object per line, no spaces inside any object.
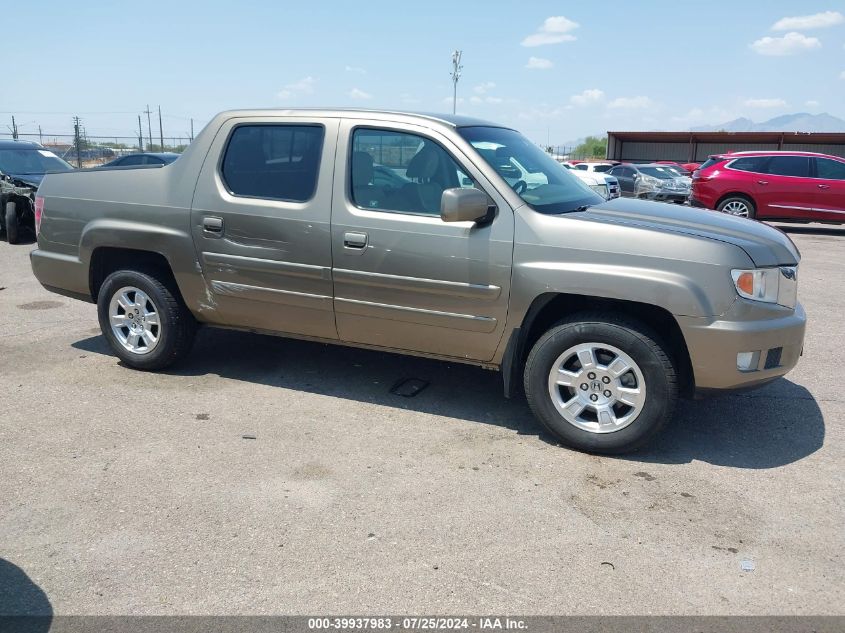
{"x":776,"y":332}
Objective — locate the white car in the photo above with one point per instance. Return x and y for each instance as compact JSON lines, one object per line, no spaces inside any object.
{"x":604,"y":184}
{"x":592,"y":167}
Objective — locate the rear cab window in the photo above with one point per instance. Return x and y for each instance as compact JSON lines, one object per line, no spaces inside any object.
{"x":275,"y":161}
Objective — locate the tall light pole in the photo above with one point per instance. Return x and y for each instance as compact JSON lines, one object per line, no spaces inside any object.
{"x":456,"y":74}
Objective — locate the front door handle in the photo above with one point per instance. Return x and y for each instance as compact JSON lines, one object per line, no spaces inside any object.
{"x":762,"y":182}
{"x":824,"y":186}
{"x":355,"y":240}
{"x":212,"y":226}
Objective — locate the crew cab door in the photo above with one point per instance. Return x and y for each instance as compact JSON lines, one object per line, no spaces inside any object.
{"x":260,"y":220}
{"x":830,"y":190}
{"x":404,"y":278}
{"x":786,"y":189}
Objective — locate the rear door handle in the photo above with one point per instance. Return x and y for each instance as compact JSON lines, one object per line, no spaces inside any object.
{"x":824,"y":186}
{"x":212,"y":226}
{"x":355,"y":240}
{"x":762,"y":182}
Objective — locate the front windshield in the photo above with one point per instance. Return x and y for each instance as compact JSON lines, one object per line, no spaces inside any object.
{"x":539,"y":179}
{"x":664,"y":173}
{"x":30,"y":161}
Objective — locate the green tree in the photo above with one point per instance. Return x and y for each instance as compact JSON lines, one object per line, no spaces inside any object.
{"x":592,"y":147}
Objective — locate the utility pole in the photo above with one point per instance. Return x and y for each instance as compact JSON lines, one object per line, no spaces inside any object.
{"x":160,"y":130}
{"x":192,"y":130}
{"x":14,"y":128}
{"x":40,"y":137}
{"x":456,"y":74}
{"x":149,"y":128}
{"x":77,"y":141}
{"x":140,"y":135}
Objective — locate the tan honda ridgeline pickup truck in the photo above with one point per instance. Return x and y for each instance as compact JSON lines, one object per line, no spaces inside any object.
{"x":400,"y":232}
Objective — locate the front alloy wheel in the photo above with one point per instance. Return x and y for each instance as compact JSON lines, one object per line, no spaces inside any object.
{"x":597,"y":387}
{"x":601,"y":382}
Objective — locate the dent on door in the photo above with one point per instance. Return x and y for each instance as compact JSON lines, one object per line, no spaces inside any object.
{"x":263,"y":237}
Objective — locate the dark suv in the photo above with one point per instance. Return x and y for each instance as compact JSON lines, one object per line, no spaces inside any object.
{"x":792,"y":186}
{"x":22,"y":166}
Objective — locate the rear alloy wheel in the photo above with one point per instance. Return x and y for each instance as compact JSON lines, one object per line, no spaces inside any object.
{"x":12,"y":225}
{"x":144,"y":320}
{"x":738,"y":206}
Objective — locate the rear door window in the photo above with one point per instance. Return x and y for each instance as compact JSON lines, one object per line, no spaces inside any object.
{"x":796,"y":166}
{"x":278,"y":162}
{"x":830,"y":169}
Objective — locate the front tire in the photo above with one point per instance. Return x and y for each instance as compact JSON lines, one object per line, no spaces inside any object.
{"x":739,"y":206}
{"x":144,"y":320}
{"x":601,"y":383}
{"x":12,"y":225}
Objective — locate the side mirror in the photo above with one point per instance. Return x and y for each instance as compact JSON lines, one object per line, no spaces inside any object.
{"x":463,"y":205}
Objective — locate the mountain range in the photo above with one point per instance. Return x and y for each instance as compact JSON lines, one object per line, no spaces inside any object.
{"x":799,"y":122}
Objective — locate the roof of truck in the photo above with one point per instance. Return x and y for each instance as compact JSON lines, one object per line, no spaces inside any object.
{"x":9,"y":144}
{"x":453,"y":120}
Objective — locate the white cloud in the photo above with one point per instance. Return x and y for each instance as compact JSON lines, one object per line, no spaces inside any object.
{"x":356,"y":69}
{"x":356,"y":93}
{"x":591,"y":95}
{"x":302,"y":87}
{"x":484,"y":88}
{"x":790,"y":44}
{"x":631,"y":103}
{"x":764,"y":103}
{"x":812,"y":103}
{"x":539,"y":63}
{"x":487,"y":99}
{"x":806,"y":22}
{"x":554,"y":30}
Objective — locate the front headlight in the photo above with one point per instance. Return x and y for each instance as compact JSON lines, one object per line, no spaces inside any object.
{"x":771,"y":285}
{"x":650,"y":183}
{"x":600,"y":189}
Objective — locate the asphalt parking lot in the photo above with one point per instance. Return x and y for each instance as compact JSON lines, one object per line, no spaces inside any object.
{"x":127,"y":492}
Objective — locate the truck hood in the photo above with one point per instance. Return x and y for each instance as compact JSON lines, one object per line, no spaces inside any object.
{"x":765,"y":245}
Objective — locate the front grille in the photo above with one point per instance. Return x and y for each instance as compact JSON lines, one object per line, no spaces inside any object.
{"x":773,"y":358}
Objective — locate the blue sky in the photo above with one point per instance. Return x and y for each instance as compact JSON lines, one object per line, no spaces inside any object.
{"x":555,"y":70}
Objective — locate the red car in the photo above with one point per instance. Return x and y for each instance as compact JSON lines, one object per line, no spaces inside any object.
{"x":774,"y":185}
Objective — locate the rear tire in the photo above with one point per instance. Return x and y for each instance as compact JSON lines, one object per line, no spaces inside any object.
{"x":144,"y":320}
{"x":739,"y":206}
{"x":605,"y":408}
{"x":12,"y":225}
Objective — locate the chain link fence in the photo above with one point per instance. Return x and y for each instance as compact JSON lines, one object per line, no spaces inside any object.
{"x":90,"y":151}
